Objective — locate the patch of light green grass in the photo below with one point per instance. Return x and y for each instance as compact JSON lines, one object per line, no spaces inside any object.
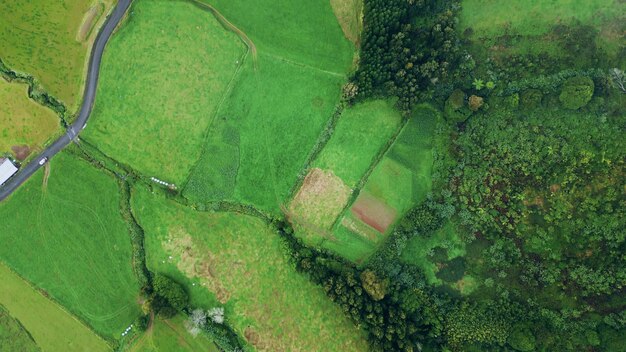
{"x":171,"y":335}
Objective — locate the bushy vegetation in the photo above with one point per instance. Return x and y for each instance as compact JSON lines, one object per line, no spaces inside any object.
{"x":408,"y":48}
{"x":13,"y":335}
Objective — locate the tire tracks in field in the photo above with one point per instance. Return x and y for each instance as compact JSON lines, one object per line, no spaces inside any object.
{"x":231,"y":27}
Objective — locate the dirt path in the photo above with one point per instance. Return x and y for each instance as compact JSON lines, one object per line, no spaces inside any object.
{"x":231,"y":27}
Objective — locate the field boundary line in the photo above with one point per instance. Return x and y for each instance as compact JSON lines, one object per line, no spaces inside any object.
{"x":57,"y":304}
{"x":300,"y":64}
{"x":250,"y":48}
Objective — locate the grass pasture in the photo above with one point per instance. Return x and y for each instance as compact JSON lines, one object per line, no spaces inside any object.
{"x":49,"y":325}
{"x":305,"y":33}
{"x":13,"y":335}
{"x":171,"y":335}
{"x":164,"y":74}
{"x":39,"y":37}
{"x":68,"y":238}
{"x":22,"y":120}
{"x":263,"y":134}
{"x":243,"y":263}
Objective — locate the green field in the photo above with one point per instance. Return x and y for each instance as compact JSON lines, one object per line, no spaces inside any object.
{"x":69,"y":239}
{"x":360,"y":134}
{"x":49,"y":325}
{"x":243,"y":262}
{"x":164,"y":74}
{"x":304,"y":33}
{"x":13,"y":336}
{"x":171,"y":335}
{"x":40,"y":38}
{"x":261,"y":138}
{"x":23,"y":121}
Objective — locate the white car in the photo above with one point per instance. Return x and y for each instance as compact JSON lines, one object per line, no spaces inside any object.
{"x":43,"y":160}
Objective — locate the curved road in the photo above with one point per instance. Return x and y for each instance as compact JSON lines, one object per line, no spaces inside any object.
{"x":85,"y":110}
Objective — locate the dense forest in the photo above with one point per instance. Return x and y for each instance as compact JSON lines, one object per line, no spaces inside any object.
{"x":531,"y":179}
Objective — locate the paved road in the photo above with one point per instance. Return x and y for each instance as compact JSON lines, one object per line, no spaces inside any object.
{"x":85,"y":110}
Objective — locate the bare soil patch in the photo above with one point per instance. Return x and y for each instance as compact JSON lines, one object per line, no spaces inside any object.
{"x":374,"y":212}
{"x":21,"y":151}
{"x":320,"y":200}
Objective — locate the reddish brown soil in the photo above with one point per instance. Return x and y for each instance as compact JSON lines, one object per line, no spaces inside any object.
{"x":21,"y":152}
{"x":373,"y":212}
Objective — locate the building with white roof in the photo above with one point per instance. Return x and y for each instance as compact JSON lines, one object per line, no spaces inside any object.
{"x":7,"y":169}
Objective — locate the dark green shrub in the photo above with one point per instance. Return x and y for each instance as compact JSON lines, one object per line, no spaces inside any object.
{"x":576,"y":92}
{"x":168,"y":293}
{"x":531,"y":99}
{"x":455,"y":109}
{"x":522,"y":339}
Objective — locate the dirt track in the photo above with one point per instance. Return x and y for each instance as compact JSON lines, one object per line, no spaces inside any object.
{"x":231,"y":27}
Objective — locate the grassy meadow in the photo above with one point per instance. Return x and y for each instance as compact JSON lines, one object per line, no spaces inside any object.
{"x":261,"y":137}
{"x":305,"y":33}
{"x":13,"y":335}
{"x":23,"y":121}
{"x":163,"y":75}
{"x":50,"y":326}
{"x":243,"y":263}
{"x":40,"y":38}
{"x":171,"y":335}
{"x":68,"y":238}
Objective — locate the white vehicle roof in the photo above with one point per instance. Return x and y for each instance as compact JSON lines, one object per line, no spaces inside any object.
{"x":7,"y":169}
